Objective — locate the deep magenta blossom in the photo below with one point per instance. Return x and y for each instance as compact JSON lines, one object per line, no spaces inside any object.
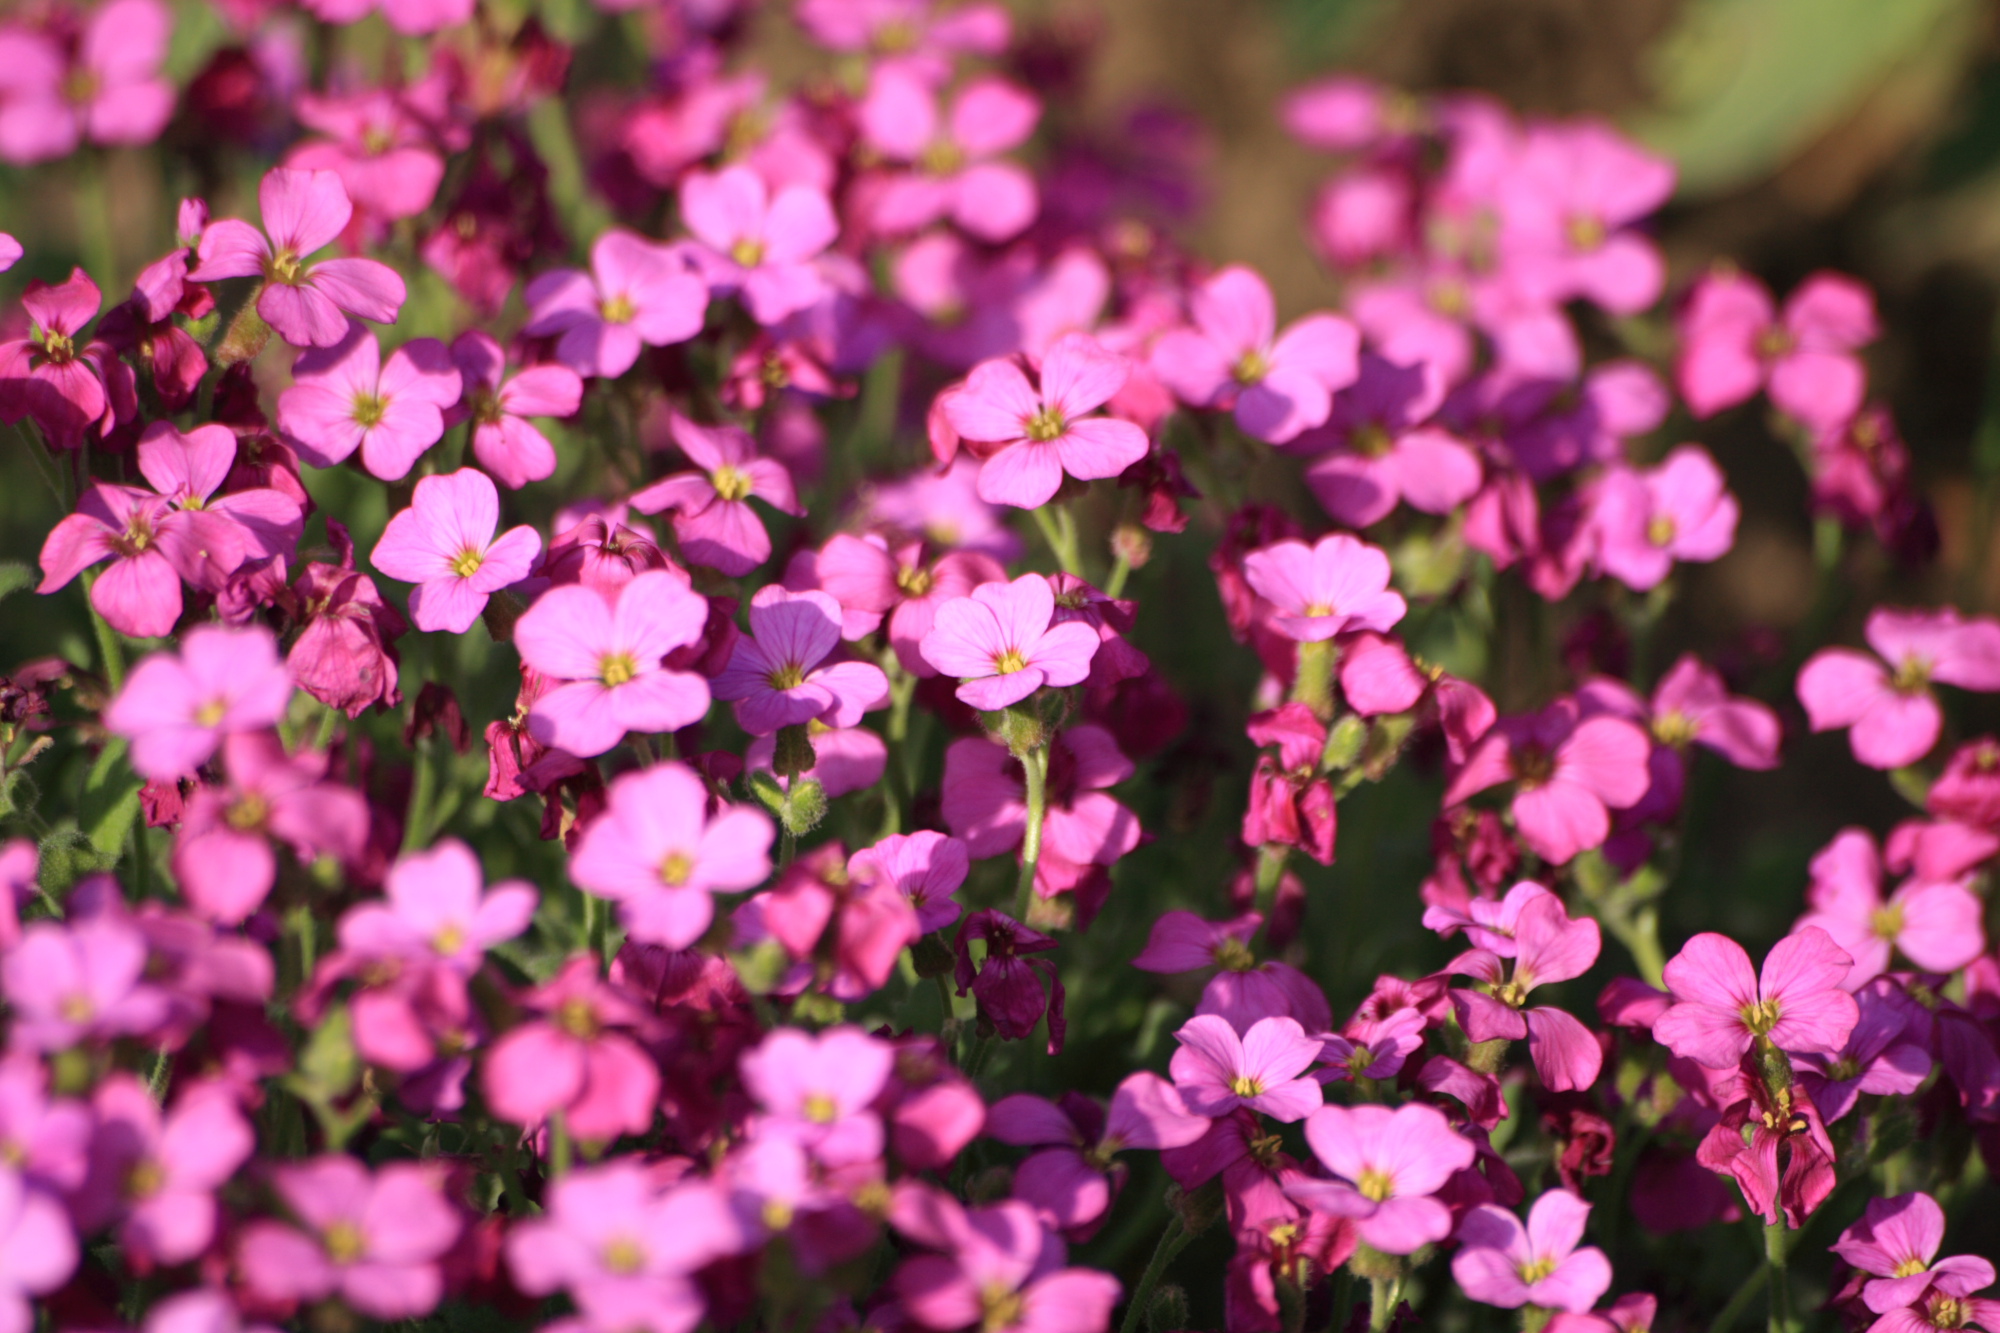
{"x":576,"y":1054}
{"x":637,"y":294}
{"x":373,"y":1240}
{"x":1217,"y":1070}
{"x":995,"y":1269}
{"x":52,"y":375}
{"x":302,"y":298}
{"x":155,"y":1173}
{"x":1894,"y":717}
{"x":1001,"y":644}
{"x":1032,"y":436}
{"x":1334,"y":586}
{"x":345,"y":397}
{"x":712,"y":518}
{"x":504,"y":441}
{"x":1569,"y":773}
{"x":445,"y":544}
{"x":1896,"y":1244}
{"x":1547,"y":947}
{"x":1501,"y":1262}
{"x":775,"y":677}
{"x":176,"y":708}
{"x":1278,"y":384}
{"x":761,"y":244}
{"x":1388,"y":1165}
{"x":1072,"y":1179}
{"x":1721,"y":1007}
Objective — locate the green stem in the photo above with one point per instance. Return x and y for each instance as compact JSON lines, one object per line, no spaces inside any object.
{"x":423,"y":793}
{"x":1035,"y":765}
{"x":1384,"y":1295}
{"x":1059,"y":531}
{"x":1172,"y":1241}
{"x":1782,"y":1320}
{"x":559,"y":1146}
{"x":1312,"y":681}
{"x":1121,"y":570}
{"x":788,"y":847}
{"x":109,"y":655}
{"x":1271,"y":858}
{"x":327,"y":722}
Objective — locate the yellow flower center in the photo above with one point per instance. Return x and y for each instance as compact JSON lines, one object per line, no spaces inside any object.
{"x":624,"y":1257}
{"x":1910,"y":1267}
{"x":1774,"y":342}
{"x":345,"y":1243}
{"x":145,"y":1179}
{"x":777,"y":1214}
{"x":1245,"y":1086}
{"x":1912,"y":675}
{"x":1660,"y":529}
{"x":1375,"y":1184}
{"x":1371,"y":440}
{"x":1009,"y":662}
{"x":76,"y":1008}
{"x":1046,"y":425}
{"x":369,"y":409}
{"x":1233,"y":955}
{"x":1536,"y":1269}
{"x":942,"y":158}
{"x":614,"y":669}
{"x":787,"y":677}
{"x":617,"y":309}
{"x":1887,"y":922}
{"x":450,"y":939}
{"x":1674,"y":728}
{"x":248,"y":813}
{"x":821,"y":1109}
{"x":999,"y":1308}
{"x":749,"y":252}
{"x":1844,"y":1070}
{"x":285,"y":267}
{"x":676,"y":868}
{"x":1761,"y":1016}
{"x":1586,"y":232}
{"x":915,"y":581}
{"x":730,"y":483}
{"x":575,"y":1017}
{"x":211,"y":713}
{"x":1251,"y":368}
{"x":467,"y":562}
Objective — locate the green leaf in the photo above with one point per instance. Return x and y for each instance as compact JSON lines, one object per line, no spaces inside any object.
{"x":14,"y":576}
{"x":329,"y":1067}
{"x":110,"y":801}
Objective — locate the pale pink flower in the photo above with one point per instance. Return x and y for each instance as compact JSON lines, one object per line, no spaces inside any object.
{"x":1894,"y":717}
{"x":175,"y":709}
{"x":926,"y":867}
{"x":637,"y":294}
{"x":1001,"y":644}
{"x":1896,"y":1243}
{"x":444,"y":544}
{"x":712,"y":518}
{"x":953,"y":174}
{"x":110,"y":92}
{"x":775,"y":677}
{"x":38,"y":1251}
{"x":155,"y":1173}
{"x":1569,"y":773}
{"x":504,"y":441}
{"x":1387,"y":1166}
{"x":762,"y":245}
{"x":437,"y":907}
{"x":1733,"y":342}
{"x":82,"y":981}
{"x":818,"y":1090}
{"x":1937,"y":925}
{"x":997,"y":1270}
{"x":1500,"y":1262}
{"x":344,"y":397}
{"x":373,"y":1240}
{"x":1337,"y":585}
{"x":1645,"y":521}
{"x":1217,"y":1070}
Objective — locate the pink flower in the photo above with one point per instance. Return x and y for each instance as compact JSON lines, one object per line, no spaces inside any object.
{"x":762,"y":246}
{"x":1382,"y":455}
{"x":1388,"y":1164}
{"x":1733,"y":342}
{"x":438,"y":908}
{"x":608,"y":655}
{"x":954,"y":175}
{"x":1337,"y":585}
{"x":636,"y":294}
{"x":1569,"y":773}
{"x":713,"y":521}
{"x":152,"y":547}
{"x":1721,"y":1008}
{"x":444,"y":544}
{"x":1500,"y":1262}
{"x":1279,"y":384}
{"x":985,"y":803}
{"x":176,"y":709}
{"x":908,"y":30}
{"x":1896,"y":1242}
{"x":656,"y":851}
{"x":998,"y":1270}
{"x":1692,"y":704}
{"x":1548,"y":947}
{"x":872,"y":579}
{"x":1647,"y":520}
{"x":1243,"y":989}
{"x":818,"y":1090}
{"x":156,"y":1175}
{"x":384,"y":154}
{"x":774,"y":676}
{"x":189,"y":469}
{"x":504,"y":441}
{"x":575,"y":1056}
{"x":10,"y":252}
{"x":345,"y":397}
{"x":374,"y":1241}
{"x":222,"y":851}
{"x":1001,"y":643}
{"x":1878,"y":1058}
{"x":1072,"y":1180}
{"x":38,"y":1251}
{"x":925,"y":867}
{"x":1217,"y":1071}
{"x":302,"y":299}
{"x":51,"y":374}
{"x":110,"y":92}
{"x":1031,"y":436}
{"x":1936,"y":925}
{"x":1894,"y":717}
{"x":1567,"y":205}
{"x":84,"y":981}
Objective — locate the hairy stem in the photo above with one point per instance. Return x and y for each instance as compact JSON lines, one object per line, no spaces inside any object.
{"x":1172,"y":1241}
{"x":1035,"y":765}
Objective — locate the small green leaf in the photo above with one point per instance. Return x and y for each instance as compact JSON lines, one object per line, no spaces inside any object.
{"x":14,"y":576}
{"x":110,"y":802}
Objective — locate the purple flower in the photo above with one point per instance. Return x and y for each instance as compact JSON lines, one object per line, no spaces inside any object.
{"x":1500,"y":1262}
{"x":1896,"y":1242}
{"x":1381,"y":454}
{"x":1337,"y":585}
{"x":176,"y":709}
{"x":926,"y":867}
{"x":712,"y":518}
{"x":1721,"y":1007}
{"x":997,"y":1270}
{"x":374,"y":1241}
{"x":1891,"y":709}
{"x":637,"y":294}
{"x":301,"y":298}
{"x":37,"y":1249}
{"x":774,"y":676}
{"x":444,"y":544}
{"x":437,"y":907}
{"x":159,"y":1172}
{"x":1877,"y":1059}
{"x":606,"y":655}
{"x":1001,"y":643}
{"x":345,"y":397}
{"x":1217,"y":1071}
{"x":82,"y":981}
{"x":762,"y":246}
{"x":1032,"y":436}
{"x":1279,"y":384}
{"x":1647,"y":520}
{"x":503,"y":440}
{"x":818,"y":1090}
{"x":1388,"y":1164}
{"x":1072,"y":1179}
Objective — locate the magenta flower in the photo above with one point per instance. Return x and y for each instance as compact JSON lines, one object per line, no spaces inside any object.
{"x":1278,"y":384}
{"x":1896,"y":1243}
{"x":1548,"y":947}
{"x":1569,"y":773}
{"x":1567,"y":204}
{"x":818,"y":1090}
{"x":1030,"y":437}
{"x":657,"y":853}
{"x":437,"y":907}
{"x":998,"y":1270}
{"x":152,"y":547}
{"x":985,"y":802}
{"x":1379,"y":454}
{"x":1721,"y":1008}
{"x":1072,"y":1179}
{"x":51,"y":375}
{"x":774,"y":676}
{"x":189,"y":469}
{"x":345,"y":397}
{"x":1937,"y":925}
{"x":1217,"y":1070}
{"x":1337,"y":585}
{"x":926,"y":867}
{"x":83,"y":981}
{"x":1645,"y":521}
{"x":762,"y":245}
{"x":637,"y":294}
{"x":222,"y":851}
{"x":38,"y":1251}
{"x":1388,"y":1166}
{"x":304,"y":211}
{"x":607,"y":656}
{"x":1894,"y":717}
{"x":1878,"y":1059}
{"x":1733,"y":342}
{"x":1243,"y":989}
{"x":713,"y":520}
{"x":374,"y":1241}
{"x":873,"y":579}
{"x":504,"y":441}
{"x":444,"y":544}
{"x":384,"y":154}
{"x":176,"y":709}
{"x":1001,"y":644}
{"x":157,"y":1174}
{"x":109,"y":91}
{"x":951,"y":154}
{"x":199,"y":1310}
{"x":1692,"y":704}
{"x":1500,"y":1262}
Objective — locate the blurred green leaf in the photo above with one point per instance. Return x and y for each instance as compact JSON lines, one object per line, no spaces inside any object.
{"x":110,"y":801}
{"x":15,"y":576}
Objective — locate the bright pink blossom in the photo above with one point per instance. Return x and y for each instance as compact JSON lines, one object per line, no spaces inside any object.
{"x":109,"y":92}
{"x":1569,"y":773}
{"x":637,"y":294}
{"x":1733,"y":342}
{"x":996,"y":1269}
{"x":607,"y":655}
{"x":1217,"y":1070}
{"x":1937,"y":925}
{"x":373,"y":1240}
{"x":1567,"y":206}
{"x":1646,"y":521}
{"x":1500,"y":1262}
{"x":950,"y":154}
{"x":82,"y":981}
{"x":1337,"y":585}
{"x":761,"y":244}
{"x":38,"y":1251}
{"x":51,"y":375}
{"x":504,"y":441}
{"x":713,"y":520}
{"x":344,"y":397}
{"x":818,"y":1090}
{"x":444,"y":544}
{"x":302,"y":298}
{"x":775,"y":677}
{"x":1072,"y":1179}
{"x":1721,"y":1007}
{"x":1896,"y":1243}
{"x":985,"y":802}
{"x":873,"y":580}
{"x":926,"y":867}
{"x":1895,"y":719}
{"x":437,"y":906}
{"x":1002,"y":644}
{"x":1548,"y":947}
{"x":156,"y":1173}
{"x":175,"y":709}
{"x":1031,"y":436}
{"x":1387,"y":1166}
{"x":575,"y":1054}
{"x":1879,"y":1058}
{"x":1692,"y":704}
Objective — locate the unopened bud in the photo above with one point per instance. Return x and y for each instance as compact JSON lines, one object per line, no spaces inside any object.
{"x":1132,"y":544}
{"x":1168,"y":1311}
